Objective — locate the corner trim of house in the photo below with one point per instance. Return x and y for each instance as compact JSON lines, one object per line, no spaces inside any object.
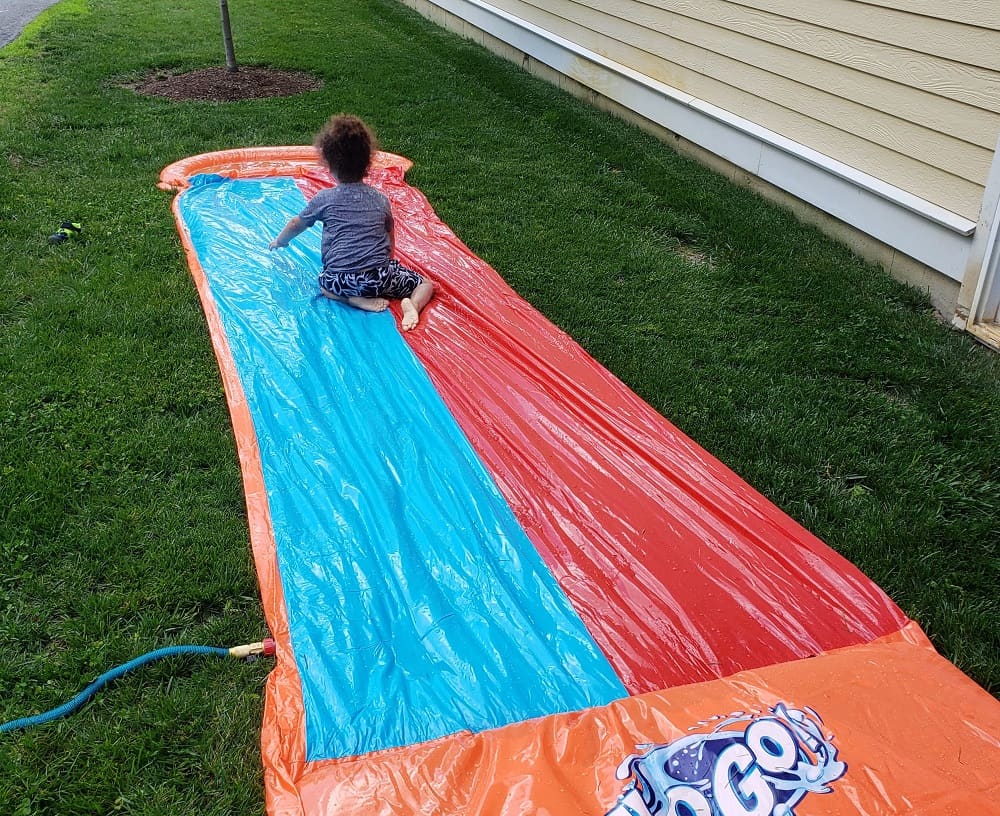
{"x":919,"y":228}
{"x":979,"y":297}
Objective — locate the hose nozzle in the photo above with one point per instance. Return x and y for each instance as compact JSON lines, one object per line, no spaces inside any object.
{"x":264,"y":647}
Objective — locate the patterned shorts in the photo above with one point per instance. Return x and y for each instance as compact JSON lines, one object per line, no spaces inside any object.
{"x":391,"y":280}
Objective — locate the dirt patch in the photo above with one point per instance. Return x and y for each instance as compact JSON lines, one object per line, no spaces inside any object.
{"x":220,"y":85}
{"x":694,"y":255}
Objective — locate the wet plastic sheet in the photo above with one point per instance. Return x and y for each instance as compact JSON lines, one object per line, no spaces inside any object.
{"x":898,"y":730}
{"x":678,"y":569}
{"x":417,"y":606}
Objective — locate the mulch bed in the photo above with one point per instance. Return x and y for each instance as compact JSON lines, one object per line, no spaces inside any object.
{"x":221,"y":85}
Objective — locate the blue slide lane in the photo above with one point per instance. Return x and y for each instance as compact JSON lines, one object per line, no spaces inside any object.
{"x":418,"y":607}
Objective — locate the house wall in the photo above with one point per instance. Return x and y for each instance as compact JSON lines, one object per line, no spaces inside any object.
{"x":906,"y":91}
{"x":883,"y":114}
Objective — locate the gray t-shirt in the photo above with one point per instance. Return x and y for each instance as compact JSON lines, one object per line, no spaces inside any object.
{"x":355,"y":219}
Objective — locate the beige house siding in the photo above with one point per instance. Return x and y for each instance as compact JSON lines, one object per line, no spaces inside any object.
{"x":907,"y":91}
{"x":876,"y":120}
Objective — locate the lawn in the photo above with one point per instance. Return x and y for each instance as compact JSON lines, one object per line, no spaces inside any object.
{"x":828,"y":386}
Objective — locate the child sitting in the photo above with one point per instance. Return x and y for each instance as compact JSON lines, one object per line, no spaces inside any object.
{"x":358,"y":231}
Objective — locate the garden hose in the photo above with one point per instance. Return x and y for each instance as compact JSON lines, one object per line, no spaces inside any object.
{"x":265,"y":647}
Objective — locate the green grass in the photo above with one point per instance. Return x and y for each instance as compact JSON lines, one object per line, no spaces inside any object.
{"x":825,"y":384}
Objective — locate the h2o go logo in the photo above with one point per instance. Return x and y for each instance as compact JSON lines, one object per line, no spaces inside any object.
{"x":756,"y":764}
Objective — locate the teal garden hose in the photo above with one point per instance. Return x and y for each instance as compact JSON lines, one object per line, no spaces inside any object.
{"x":265,"y":647}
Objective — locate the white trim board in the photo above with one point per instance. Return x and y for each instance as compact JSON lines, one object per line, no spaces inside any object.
{"x":983,"y":270}
{"x":933,"y":235}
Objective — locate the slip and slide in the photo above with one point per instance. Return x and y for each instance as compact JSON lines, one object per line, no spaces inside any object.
{"x":500,"y":583}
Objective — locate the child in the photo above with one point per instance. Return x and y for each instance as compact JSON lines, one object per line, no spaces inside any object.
{"x":358,"y":231}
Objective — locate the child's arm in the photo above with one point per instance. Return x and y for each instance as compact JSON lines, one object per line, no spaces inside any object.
{"x":390,"y":228}
{"x":292,"y":229}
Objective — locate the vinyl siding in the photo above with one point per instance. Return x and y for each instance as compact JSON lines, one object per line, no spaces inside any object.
{"x":905,"y":90}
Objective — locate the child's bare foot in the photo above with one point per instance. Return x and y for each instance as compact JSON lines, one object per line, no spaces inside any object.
{"x":414,"y":304}
{"x":411,"y":314}
{"x":369,"y":304}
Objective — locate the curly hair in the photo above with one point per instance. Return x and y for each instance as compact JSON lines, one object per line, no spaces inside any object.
{"x":347,"y":145}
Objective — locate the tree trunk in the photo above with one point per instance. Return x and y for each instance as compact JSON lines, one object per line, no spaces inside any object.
{"x":227,"y":37}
